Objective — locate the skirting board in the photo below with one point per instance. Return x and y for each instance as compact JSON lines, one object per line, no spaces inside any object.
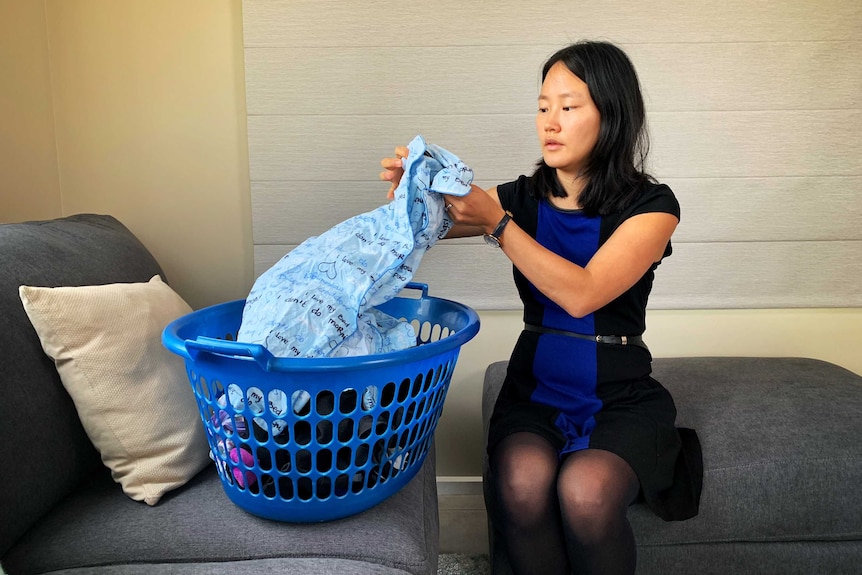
{"x":463,"y":523}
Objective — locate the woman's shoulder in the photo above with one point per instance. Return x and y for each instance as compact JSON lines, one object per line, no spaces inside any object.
{"x":517,"y":192}
{"x":654,"y":197}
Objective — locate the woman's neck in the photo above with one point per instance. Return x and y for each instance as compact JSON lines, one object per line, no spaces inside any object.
{"x":573,"y":185}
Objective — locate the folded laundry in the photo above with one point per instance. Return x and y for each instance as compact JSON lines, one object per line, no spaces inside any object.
{"x":319,"y":300}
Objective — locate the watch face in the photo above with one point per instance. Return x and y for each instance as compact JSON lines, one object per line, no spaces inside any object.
{"x":492,"y":241}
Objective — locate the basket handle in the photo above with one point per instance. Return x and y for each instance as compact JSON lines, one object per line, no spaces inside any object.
{"x":214,"y":346}
{"x":419,"y":286}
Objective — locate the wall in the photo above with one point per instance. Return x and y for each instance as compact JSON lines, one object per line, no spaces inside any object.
{"x":138,"y":108}
{"x":29,"y":177}
{"x":139,"y":111}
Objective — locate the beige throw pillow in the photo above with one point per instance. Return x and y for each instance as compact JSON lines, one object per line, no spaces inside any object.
{"x":131,"y":394}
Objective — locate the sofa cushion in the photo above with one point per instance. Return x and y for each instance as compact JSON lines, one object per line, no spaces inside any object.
{"x":131,"y":394}
{"x":197,"y":526}
{"x":781,"y":448}
{"x":45,"y":450}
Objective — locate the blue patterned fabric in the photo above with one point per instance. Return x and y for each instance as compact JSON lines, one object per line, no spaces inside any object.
{"x":318,"y":300}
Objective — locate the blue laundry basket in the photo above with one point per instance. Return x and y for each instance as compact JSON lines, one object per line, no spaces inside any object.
{"x":309,"y":440}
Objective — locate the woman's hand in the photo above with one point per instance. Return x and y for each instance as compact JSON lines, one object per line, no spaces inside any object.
{"x":393,"y":170}
{"x":479,"y":209}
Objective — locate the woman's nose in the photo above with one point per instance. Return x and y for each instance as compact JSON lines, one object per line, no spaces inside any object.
{"x":551,"y":123}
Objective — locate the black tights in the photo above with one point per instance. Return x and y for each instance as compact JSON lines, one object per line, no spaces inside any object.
{"x":561,"y":518}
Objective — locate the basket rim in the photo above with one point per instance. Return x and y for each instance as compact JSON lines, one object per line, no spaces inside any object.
{"x":204,"y":348}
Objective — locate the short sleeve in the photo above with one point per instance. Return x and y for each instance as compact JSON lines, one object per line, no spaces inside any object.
{"x":516,"y":197}
{"x":655,"y":198}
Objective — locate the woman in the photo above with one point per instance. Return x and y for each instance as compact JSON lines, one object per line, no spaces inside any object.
{"x":580,"y":429}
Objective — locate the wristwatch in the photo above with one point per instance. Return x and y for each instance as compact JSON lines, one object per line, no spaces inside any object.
{"x":493,"y":239}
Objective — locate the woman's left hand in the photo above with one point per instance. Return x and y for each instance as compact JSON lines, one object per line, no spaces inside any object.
{"x":479,"y":209}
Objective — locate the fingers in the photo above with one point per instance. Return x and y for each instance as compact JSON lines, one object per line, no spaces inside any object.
{"x":393,"y":169}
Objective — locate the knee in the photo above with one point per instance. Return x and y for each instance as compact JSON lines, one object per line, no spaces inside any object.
{"x":524,"y":495}
{"x":590,"y":511}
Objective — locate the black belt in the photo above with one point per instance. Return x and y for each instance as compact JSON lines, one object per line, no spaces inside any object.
{"x":611,"y":339}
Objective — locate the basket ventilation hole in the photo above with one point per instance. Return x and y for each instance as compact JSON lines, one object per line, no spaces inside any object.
{"x":425,"y":333}
{"x":324,"y":460}
{"x":347,"y":401}
{"x":345,"y":430}
{"x":358,"y":481}
{"x":417,"y":386}
{"x":324,"y":432}
{"x":388,"y":394}
{"x":404,"y":389}
{"x":304,"y":488}
{"x":285,"y":488}
{"x":342,"y":458}
{"x":264,"y":460}
{"x":382,"y":423}
{"x":241,"y":427}
{"x":303,"y":461}
{"x":342,"y":482}
{"x":435,"y":332}
{"x":280,"y":431}
{"x":369,"y":398}
{"x":302,"y":432}
{"x":277,"y":402}
{"x":411,"y":411}
{"x":365,"y":425}
{"x":301,"y":402}
{"x":201,"y":387}
{"x":234,"y":395}
{"x":324,"y":488}
{"x":260,"y":430}
{"x":325,"y":403}
{"x":268,"y":485}
{"x":361,"y":455}
{"x":396,"y":418}
{"x":282,"y":460}
{"x":255,"y":400}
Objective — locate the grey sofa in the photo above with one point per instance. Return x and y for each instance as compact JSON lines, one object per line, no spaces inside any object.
{"x":782,"y":450}
{"x":63,"y":514}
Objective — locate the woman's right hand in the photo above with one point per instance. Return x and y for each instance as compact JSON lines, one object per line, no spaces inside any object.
{"x":393,"y":169}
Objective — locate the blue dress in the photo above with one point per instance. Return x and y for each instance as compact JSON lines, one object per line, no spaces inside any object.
{"x":578,"y":393}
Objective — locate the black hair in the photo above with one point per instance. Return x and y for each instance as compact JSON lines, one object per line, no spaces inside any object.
{"x":614,"y":170}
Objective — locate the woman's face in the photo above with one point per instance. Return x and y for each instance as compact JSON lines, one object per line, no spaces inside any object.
{"x":567,"y":122}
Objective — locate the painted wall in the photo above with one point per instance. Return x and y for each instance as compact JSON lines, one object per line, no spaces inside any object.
{"x":138,"y":109}
{"x":135,"y":109}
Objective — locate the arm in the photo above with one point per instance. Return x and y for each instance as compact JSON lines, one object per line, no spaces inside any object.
{"x":623,"y":259}
{"x":619,"y":264}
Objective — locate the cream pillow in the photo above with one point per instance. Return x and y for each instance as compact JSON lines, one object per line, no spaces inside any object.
{"x":132,"y":395}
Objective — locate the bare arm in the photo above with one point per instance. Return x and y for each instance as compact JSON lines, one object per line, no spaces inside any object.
{"x":618,"y":265}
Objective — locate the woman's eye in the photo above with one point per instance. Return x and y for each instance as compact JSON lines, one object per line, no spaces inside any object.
{"x":542,"y":110}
